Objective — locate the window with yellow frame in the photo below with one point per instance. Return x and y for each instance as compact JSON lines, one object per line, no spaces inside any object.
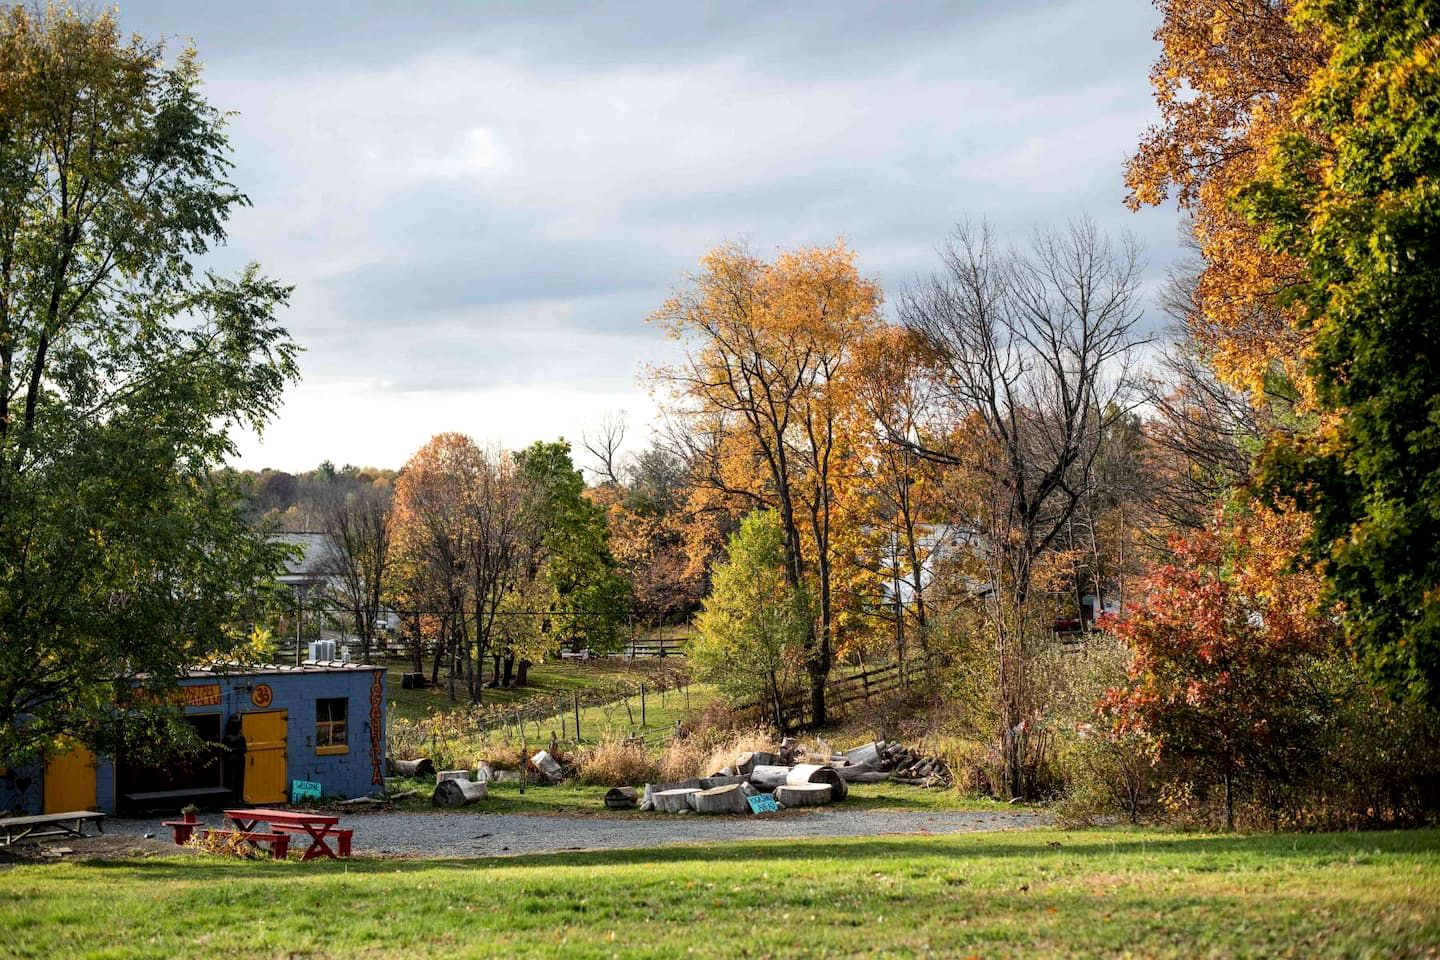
{"x":330,"y":725}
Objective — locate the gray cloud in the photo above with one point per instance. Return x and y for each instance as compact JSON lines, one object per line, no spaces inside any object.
{"x":475,"y":199}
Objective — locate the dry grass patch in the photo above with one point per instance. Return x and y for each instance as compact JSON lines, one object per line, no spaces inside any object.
{"x":617,"y":763}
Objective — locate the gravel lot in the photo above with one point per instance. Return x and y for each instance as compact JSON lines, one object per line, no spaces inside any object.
{"x":491,"y":834}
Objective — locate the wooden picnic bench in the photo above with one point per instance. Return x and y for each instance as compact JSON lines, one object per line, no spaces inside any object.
{"x":317,"y":826}
{"x":71,"y":824}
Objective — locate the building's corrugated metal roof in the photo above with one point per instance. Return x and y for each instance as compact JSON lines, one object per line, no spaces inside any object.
{"x":309,"y":666}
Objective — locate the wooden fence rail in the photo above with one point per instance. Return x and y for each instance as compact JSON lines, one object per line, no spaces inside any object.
{"x":842,"y":690}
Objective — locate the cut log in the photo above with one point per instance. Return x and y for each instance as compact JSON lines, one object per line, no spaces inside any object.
{"x":869,"y":776}
{"x":620,"y":798}
{"x":412,"y":768}
{"x":458,"y":793}
{"x":768,"y":776}
{"x":452,"y":775}
{"x":868,"y":754}
{"x":674,"y":801}
{"x":851,"y":772}
{"x":727,"y":799}
{"x":483,"y":772}
{"x":803,"y":794}
{"x":653,"y":788}
{"x":744,"y":763}
{"x":718,"y":780}
{"x":547,"y":766}
{"x":815,"y":773}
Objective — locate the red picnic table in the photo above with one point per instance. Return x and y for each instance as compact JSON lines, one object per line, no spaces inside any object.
{"x":317,"y":826}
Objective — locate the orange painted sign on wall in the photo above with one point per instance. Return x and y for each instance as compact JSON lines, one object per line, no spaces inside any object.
{"x":201,"y":695}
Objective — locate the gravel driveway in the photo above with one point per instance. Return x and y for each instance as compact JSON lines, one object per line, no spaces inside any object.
{"x":489,"y":834}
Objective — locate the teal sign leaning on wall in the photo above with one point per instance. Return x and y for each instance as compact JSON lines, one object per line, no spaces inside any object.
{"x":304,"y":790}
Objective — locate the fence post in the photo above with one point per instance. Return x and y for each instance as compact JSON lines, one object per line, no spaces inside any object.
{"x":642,"y":703}
{"x":577,"y":718}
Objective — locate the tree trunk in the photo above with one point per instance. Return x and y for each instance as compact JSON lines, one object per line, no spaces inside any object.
{"x":522,"y":672}
{"x":1229,"y":801}
{"x":818,"y":671}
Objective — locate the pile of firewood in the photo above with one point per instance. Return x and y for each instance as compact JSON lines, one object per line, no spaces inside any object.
{"x":909,"y":766}
{"x":893,"y":761}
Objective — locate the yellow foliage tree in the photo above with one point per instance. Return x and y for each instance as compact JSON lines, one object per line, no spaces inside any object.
{"x":760,"y":393}
{"x":1226,"y":82}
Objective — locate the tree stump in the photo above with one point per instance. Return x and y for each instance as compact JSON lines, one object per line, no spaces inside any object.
{"x":458,"y":793}
{"x":726,"y":799}
{"x":674,"y":801}
{"x":803,"y":794}
{"x":816,"y":773}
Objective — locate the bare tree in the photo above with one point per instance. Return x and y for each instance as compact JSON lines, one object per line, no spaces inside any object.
{"x":501,"y":521}
{"x":604,"y":445}
{"x":357,"y":529}
{"x":1203,"y":434}
{"x":1032,"y":355}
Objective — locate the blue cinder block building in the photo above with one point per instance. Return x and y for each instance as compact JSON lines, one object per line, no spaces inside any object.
{"x":319,"y":722}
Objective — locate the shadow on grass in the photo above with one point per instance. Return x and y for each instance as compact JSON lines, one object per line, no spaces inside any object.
{"x":952,"y":851}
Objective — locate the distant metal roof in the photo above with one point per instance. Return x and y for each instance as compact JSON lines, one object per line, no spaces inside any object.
{"x":314,"y":564}
{"x":273,"y":669}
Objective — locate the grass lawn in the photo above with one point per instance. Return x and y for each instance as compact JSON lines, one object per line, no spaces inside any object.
{"x":546,"y":680}
{"x":1026,"y":893}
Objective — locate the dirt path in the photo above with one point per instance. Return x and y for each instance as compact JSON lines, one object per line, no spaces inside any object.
{"x":488,"y":834}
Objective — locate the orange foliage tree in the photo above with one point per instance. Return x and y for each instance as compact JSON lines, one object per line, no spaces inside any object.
{"x":759,"y":393}
{"x":1228,"y":77}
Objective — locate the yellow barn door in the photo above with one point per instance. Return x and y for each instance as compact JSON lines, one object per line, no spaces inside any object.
{"x":265,"y":759}
{"x":70,"y":782}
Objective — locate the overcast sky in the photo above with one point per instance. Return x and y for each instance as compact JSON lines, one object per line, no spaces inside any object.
{"x":480,"y":203}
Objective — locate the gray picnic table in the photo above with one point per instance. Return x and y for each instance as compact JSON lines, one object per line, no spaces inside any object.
{"x":71,"y":824}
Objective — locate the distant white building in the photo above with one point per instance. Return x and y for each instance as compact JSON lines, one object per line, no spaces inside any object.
{"x":313,"y":578}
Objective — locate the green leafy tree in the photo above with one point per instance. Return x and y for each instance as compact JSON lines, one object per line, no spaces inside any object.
{"x":124,"y":370}
{"x":588,"y":597}
{"x":752,"y":631}
{"x":1357,"y":202}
